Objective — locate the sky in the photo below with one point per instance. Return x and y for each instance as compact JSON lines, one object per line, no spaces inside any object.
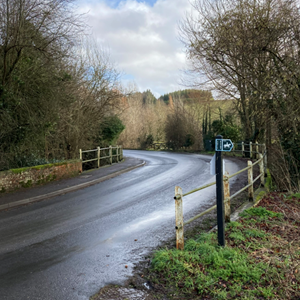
{"x":142,"y":38}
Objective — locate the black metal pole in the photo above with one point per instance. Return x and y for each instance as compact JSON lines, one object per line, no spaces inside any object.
{"x":220,"y":196}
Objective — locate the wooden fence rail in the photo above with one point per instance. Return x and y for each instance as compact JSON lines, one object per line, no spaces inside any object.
{"x":227,"y":197}
{"x":118,"y":154}
{"x":253,"y":148}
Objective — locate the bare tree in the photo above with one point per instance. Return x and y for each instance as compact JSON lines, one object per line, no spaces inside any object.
{"x":227,"y":41}
{"x":249,"y":50}
{"x":49,"y":27}
{"x":94,"y":93}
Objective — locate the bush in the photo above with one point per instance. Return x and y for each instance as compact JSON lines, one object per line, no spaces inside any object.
{"x":110,"y":130}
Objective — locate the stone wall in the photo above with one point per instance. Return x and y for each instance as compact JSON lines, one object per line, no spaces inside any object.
{"x":32,"y":176}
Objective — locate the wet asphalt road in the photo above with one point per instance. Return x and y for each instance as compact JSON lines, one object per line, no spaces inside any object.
{"x":70,"y":246}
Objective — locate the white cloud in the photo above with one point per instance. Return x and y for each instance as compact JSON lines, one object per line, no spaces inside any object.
{"x":143,"y":39}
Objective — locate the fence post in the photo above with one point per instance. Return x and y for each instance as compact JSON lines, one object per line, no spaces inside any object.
{"x":110,"y":154}
{"x":243,"y":149}
{"x":226,"y":197}
{"x":117,"y":153}
{"x":256,"y":150}
{"x":250,"y":148}
{"x":179,"y":218}
{"x":98,"y":148}
{"x":250,"y":181}
{"x":261,"y":170}
{"x":80,"y":154}
{"x":122,"y":152}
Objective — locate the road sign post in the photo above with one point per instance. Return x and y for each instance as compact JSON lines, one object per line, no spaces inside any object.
{"x":221,"y":145}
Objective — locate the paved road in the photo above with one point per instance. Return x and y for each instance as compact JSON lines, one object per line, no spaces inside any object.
{"x":70,"y":246}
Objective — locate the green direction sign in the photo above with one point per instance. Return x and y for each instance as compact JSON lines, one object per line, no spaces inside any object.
{"x":224,"y":145}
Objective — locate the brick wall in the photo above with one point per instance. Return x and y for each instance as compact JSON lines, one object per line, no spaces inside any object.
{"x":32,"y":176}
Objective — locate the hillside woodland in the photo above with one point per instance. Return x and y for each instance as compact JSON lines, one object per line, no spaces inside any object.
{"x":180,"y":120}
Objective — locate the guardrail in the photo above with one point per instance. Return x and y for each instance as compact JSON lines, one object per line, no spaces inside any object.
{"x":262,"y":161}
{"x":107,"y":153}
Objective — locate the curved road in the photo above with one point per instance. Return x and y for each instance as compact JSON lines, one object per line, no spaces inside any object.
{"x":70,"y":246}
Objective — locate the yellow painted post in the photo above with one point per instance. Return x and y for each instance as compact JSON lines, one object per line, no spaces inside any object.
{"x":226,"y":197}
{"x":110,"y":154}
{"x":261,"y":170}
{"x":250,"y":181}
{"x":80,"y":154}
{"x":179,"y":218}
{"x":98,"y":156}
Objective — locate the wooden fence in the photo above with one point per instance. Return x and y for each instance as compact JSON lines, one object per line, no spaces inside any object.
{"x":253,"y":148}
{"x":107,"y":153}
{"x":261,"y":161}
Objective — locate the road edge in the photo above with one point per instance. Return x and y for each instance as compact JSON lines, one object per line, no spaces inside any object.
{"x":69,"y":189}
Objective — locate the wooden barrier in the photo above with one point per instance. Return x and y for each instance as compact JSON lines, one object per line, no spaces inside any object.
{"x":179,"y":195}
{"x":118,"y":155}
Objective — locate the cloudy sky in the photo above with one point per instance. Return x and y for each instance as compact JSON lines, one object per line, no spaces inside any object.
{"x":142,"y":36}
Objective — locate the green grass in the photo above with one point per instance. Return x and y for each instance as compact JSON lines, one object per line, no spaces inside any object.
{"x":240,"y":270}
{"x":205,"y":268}
{"x":40,"y":167}
{"x":261,"y":213}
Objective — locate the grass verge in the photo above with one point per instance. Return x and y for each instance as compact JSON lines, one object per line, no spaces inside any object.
{"x":260,"y":260}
